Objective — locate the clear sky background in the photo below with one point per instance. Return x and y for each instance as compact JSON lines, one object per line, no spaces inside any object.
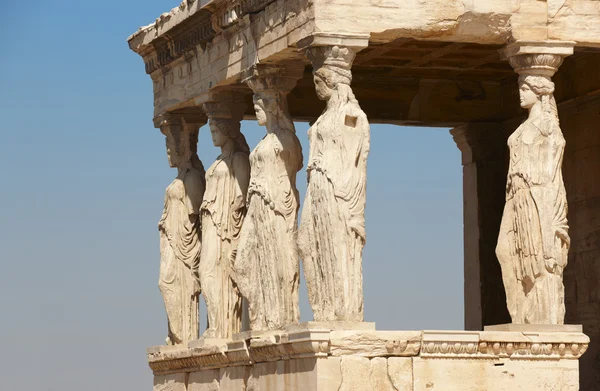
{"x":83,"y":174}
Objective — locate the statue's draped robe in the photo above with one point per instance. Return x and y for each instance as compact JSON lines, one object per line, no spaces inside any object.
{"x":180,"y":246}
{"x":223,"y":210}
{"x":332,"y":229}
{"x":534,"y":224}
{"x":266,"y":265}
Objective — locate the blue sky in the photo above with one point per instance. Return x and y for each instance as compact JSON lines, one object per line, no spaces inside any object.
{"x":83,"y":177}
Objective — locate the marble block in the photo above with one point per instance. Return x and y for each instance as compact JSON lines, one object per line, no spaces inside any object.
{"x":358,"y":360}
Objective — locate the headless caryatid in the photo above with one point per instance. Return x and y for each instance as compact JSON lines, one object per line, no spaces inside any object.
{"x":267,"y":265}
{"x":179,"y":229}
{"x":223,"y":210}
{"x":332,"y":229}
{"x":534,"y":240}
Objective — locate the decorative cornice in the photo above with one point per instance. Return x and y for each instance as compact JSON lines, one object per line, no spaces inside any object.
{"x":199,"y":29}
{"x":496,"y":345}
{"x":285,"y":345}
{"x":182,"y":38}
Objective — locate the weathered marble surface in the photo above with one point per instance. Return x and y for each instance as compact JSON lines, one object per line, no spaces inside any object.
{"x":266,"y":267}
{"x":223,"y":210}
{"x":332,"y":229}
{"x":179,"y":228}
{"x":312,"y":360}
{"x":533,"y":243}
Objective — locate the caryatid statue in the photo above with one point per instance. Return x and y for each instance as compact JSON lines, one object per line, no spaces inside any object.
{"x":332,"y":229}
{"x":179,"y":229}
{"x":223,"y":210}
{"x":534,"y":241}
{"x":266,"y":267}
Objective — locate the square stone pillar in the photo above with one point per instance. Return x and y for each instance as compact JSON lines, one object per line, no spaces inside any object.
{"x":484,"y":160}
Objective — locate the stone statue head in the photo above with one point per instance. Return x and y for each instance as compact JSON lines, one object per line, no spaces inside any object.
{"x":323,"y":83}
{"x":223,"y":130}
{"x":533,"y":88}
{"x":265,"y":104}
{"x":180,"y":144}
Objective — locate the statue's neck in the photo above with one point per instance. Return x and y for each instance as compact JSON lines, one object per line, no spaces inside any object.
{"x":184,"y":166}
{"x":228,"y":148}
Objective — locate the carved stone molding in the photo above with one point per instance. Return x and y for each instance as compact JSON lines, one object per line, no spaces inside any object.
{"x":178,"y":41}
{"x":285,"y":345}
{"x":276,"y":78}
{"x":225,"y":103}
{"x":538,"y":57}
{"x":495,"y":345}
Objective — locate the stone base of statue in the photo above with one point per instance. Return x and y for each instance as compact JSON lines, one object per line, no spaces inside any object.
{"x":311,"y":357}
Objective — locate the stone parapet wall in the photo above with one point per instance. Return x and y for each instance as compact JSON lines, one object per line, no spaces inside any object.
{"x":323,"y":359}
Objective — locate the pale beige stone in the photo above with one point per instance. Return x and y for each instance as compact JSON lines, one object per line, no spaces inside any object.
{"x":266,"y":267}
{"x":360,"y":373}
{"x":223,"y":209}
{"x":179,"y":228}
{"x":375,"y":343}
{"x":495,"y":375}
{"x":171,"y":382}
{"x":234,"y":378}
{"x":332,"y":325}
{"x":356,"y":373}
{"x":549,"y":328}
{"x":448,"y":360}
{"x":533,"y":243}
{"x":207,"y":380}
{"x":332,"y":231}
{"x":329,"y":373}
{"x":400,"y":372}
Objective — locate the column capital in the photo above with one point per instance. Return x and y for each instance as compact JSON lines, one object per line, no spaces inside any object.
{"x":480,"y":141}
{"x":224,"y":103}
{"x":541,"y":58}
{"x":193,"y":119}
{"x":281,"y":78}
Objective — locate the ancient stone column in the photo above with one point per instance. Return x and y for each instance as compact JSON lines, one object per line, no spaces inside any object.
{"x":266,"y":267}
{"x":483,"y":149}
{"x":332,"y":229}
{"x":179,"y":228}
{"x":533,"y":241}
{"x":223,"y":210}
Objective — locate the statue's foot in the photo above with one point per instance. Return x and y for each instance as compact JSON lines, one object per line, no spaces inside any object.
{"x":168,"y":341}
{"x":209,"y":333}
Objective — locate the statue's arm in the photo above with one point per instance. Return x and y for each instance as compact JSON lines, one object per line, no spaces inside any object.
{"x":194,"y":192}
{"x":241,"y":178}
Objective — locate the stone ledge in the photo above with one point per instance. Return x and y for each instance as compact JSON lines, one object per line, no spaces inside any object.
{"x":550,"y":328}
{"x":254,"y":348}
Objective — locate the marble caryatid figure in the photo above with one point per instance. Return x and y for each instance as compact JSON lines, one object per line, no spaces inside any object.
{"x":332,"y":229}
{"x":179,"y":229}
{"x":534,"y":240}
{"x":267,"y":264}
{"x":223,"y":210}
